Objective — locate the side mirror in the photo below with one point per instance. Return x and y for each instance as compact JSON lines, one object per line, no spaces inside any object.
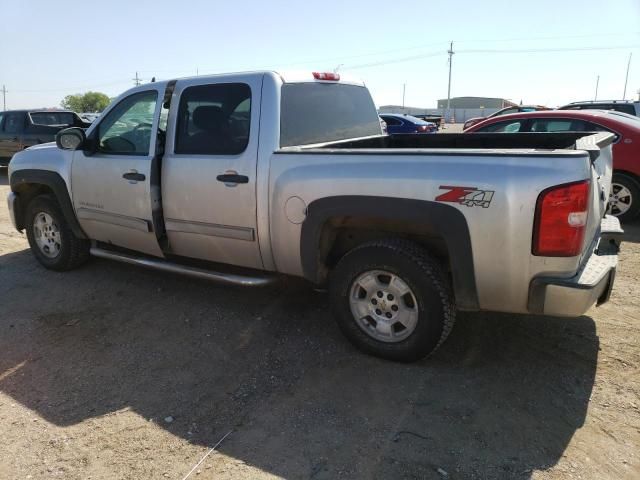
{"x":71,"y":138}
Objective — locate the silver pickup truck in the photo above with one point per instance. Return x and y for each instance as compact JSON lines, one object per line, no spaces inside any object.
{"x":238,"y":177}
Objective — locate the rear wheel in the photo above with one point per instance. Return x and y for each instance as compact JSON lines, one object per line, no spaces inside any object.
{"x":391,"y":299}
{"x":624,"y":199}
{"x":51,"y":240}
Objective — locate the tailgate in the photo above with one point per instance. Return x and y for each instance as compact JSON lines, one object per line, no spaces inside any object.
{"x":599,"y":147}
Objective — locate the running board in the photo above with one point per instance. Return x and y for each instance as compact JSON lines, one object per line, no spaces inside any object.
{"x":218,"y":277}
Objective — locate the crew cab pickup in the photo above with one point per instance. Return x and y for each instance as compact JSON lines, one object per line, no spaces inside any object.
{"x":20,"y":129}
{"x":237,"y":178}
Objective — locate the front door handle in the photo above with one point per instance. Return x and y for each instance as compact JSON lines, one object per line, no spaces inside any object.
{"x":134,"y":176}
{"x":232,"y":178}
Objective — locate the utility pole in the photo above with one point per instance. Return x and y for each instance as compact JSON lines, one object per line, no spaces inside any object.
{"x":597,"y":82}
{"x":626,"y":79}
{"x":404,"y":86}
{"x":450,"y":52}
{"x":4,"y":97}
{"x":137,"y":81}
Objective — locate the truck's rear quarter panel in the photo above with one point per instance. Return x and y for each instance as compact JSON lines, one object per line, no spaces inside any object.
{"x":501,"y":233}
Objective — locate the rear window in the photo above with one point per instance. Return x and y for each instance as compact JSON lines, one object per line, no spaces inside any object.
{"x":325,"y":112}
{"x":52,"y":118}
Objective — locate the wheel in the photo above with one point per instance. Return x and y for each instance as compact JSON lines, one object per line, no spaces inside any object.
{"x":391,"y":299}
{"x":51,"y":240}
{"x":624,"y":199}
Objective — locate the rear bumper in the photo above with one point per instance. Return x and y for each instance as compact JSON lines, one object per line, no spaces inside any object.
{"x":571,"y":297}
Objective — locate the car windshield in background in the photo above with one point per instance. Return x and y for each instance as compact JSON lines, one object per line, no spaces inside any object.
{"x":339,"y":112}
{"x":52,"y":118}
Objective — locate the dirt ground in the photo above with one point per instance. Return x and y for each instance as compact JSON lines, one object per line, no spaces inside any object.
{"x":111,"y":371}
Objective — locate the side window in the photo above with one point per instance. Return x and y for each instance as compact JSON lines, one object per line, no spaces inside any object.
{"x":214,"y":119}
{"x":549,"y":125}
{"x":625,"y":108}
{"x":503,"y":127}
{"x":126,"y":130}
{"x":14,"y":123}
{"x":1,"y":117}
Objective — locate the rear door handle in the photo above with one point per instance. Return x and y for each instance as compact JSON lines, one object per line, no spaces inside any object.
{"x":134,"y":176}
{"x":231,"y":179}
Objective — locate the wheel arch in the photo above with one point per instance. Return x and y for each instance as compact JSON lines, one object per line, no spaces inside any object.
{"x":28,"y":184}
{"x":335,"y":225}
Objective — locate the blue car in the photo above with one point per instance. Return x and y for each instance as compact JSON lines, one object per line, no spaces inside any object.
{"x":397,"y":123}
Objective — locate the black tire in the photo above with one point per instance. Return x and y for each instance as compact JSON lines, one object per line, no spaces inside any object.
{"x":73,"y":251}
{"x":632,"y":185}
{"x":424,"y":276}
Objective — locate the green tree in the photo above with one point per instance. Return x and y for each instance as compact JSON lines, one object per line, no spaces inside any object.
{"x":86,"y":102}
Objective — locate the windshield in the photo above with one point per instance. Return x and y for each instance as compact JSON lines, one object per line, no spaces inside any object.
{"x":326,"y":112}
{"x":52,"y":118}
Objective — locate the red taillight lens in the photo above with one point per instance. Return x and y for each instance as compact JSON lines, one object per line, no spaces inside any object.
{"x":326,"y":76}
{"x":561,"y":219}
{"x":421,"y":128}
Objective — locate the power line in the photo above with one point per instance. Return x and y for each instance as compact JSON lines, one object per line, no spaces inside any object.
{"x":547,"y":50}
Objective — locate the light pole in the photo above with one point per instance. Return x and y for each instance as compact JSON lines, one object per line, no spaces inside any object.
{"x":595,"y":97}
{"x":626,"y":78}
{"x":450,"y":52}
{"x":404,"y":86}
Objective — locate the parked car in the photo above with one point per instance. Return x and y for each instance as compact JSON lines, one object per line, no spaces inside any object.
{"x":624,"y":200}
{"x":624,"y":106}
{"x":505,"y":111}
{"x":403,"y":229}
{"x":20,"y":129}
{"x":399,"y":123}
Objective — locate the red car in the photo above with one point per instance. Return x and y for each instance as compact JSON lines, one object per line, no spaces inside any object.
{"x":624,"y":201}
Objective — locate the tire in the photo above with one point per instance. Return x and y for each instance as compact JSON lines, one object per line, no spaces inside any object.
{"x":45,"y":224}
{"x":403,"y":264}
{"x":624,"y":200}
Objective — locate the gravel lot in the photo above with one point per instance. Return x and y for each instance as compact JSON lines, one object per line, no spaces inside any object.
{"x":111,"y":371}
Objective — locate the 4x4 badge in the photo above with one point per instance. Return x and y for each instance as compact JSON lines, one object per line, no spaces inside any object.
{"x":469,"y":196}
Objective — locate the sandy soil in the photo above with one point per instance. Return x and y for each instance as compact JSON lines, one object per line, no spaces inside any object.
{"x":115,"y":372}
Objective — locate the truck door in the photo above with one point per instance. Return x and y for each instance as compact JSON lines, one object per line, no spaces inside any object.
{"x":11,"y":131}
{"x":209,"y":170}
{"x":112,"y":191}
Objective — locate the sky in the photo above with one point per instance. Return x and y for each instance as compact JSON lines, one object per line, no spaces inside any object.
{"x":543,"y":52}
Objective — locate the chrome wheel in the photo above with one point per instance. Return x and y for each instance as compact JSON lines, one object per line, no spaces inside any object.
{"x":383,"y":306}
{"x":47,"y":234}
{"x":620,"y":199}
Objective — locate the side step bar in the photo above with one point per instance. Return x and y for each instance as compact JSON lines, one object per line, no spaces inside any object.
{"x":218,"y":277}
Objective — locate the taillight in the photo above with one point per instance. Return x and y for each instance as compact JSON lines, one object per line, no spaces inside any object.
{"x":561,"y":219}
{"x":326,"y":76}
{"x":421,"y":128}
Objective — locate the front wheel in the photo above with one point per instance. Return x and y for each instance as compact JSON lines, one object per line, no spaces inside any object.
{"x":51,"y":239}
{"x":391,"y":299}
{"x":624,"y":199}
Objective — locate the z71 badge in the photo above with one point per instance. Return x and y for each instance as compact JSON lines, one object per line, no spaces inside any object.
{"x":469,"y":196}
